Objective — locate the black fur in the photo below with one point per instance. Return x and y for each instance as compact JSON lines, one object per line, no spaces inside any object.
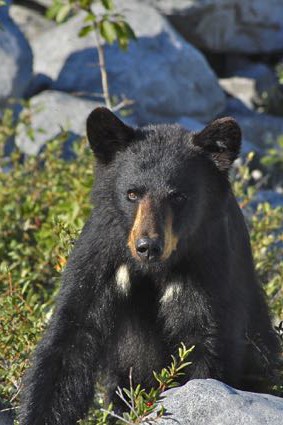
{"x":216,"y":302}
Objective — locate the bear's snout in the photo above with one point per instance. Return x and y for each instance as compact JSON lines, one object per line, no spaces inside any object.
{"x":149,"y":249}
{"x":152,"y":237}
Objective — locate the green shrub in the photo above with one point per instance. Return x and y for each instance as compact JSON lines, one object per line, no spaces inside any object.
{"x":44,"y":202}
{"x":271,"y":101}
{"x":273,"y":160}
{"x":265,"y":225}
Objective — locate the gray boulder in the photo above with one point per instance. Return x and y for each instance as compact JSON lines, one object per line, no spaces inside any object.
{"x":50,"y":112}
{"x":202,"y":402}
{"x":190,"y":124}
{"x":249,"y":26}
{"x":262,"y":74}
{"x":15,"y":59}
{"x":260,"y":129}
{"x":45,"y":3}
{"x":236,"y":106}
{"x":31,"y":22}
{"x":274,"y":198}
{"x":163,"y":74}
{"x":241,"y":88}
{"x":249,"y":83}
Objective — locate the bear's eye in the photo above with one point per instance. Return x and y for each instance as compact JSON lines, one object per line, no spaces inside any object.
{"x":132,"y":196}
{"x":177,"y":198}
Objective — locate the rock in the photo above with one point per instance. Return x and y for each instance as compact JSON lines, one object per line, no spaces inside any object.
{"x":236,"y":106}
{"x":235,"y":62}
{"x":274,"y":198}
{"x":260,"y":129}
{"x":190,"y":124}
{"x":39,"y":83}
{"x":248,"y":147}
{"x":15,"y":59}
{"x":202,"y":402}
{"x":162,"y":73}
{"x":249,"y":26}
{"x":51,"y":111}
{"x":31,"y":22}
{"x":262,"y":74}
{"x":241,"y":88}
{"x":44,"y":3}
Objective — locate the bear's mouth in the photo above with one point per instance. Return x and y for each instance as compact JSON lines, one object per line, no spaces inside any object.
{"x":153,"y":268}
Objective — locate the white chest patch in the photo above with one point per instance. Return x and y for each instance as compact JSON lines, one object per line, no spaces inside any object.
{"x":171,"y":292}
{"x":123,"y":279}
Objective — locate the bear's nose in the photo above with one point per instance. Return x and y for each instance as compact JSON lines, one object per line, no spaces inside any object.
{"x":148,"y":249}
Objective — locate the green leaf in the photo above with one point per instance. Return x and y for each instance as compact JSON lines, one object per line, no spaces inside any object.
{"x":63,"y":13}
{"x":127,"y":392}
{"x":183,"y":365}
{"x":108,"y":31}
{"x":129,"y":31}
{"x":161,"y":411}
{"x":52,"y":11}
{"x":108,"y":4}
{"x":86,"y":30}
{"x":91,"y":17}
{"x":124,"y":34}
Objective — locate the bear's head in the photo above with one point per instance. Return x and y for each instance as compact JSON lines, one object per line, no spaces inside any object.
{"x":163,"y":184}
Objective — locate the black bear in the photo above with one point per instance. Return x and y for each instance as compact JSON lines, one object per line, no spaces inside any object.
{"x":164,"y":258}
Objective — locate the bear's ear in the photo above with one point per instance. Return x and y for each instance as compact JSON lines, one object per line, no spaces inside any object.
{"x":107,"y":134}
{"x":221,"y":140}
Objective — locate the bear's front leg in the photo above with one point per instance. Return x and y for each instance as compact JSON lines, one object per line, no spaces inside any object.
{"x":59,"y":387}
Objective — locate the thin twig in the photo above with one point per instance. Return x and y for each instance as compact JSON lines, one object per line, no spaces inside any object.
{"x":114,"y":415}
{"x":122,"y":104}
{"x":8,"y":409}
{"x":15,"y":395}
{"x":103,"y":72}
{"x":10,"y":283}
{"x":122,"y":397}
